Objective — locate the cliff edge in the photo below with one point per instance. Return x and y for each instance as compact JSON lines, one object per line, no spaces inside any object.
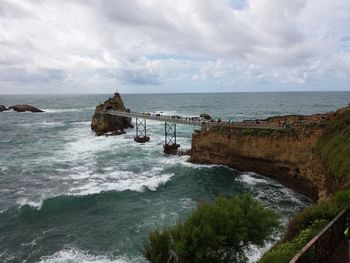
{"x":297,"y":155}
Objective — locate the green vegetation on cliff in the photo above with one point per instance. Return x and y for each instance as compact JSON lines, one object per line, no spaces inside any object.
{"x":215,"y":232}
{"x":334,"y":148}
{"x":285,"y":251}
{"x":304,"y":226}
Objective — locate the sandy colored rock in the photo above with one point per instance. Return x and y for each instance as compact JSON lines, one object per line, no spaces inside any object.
{"x":286,"y":155}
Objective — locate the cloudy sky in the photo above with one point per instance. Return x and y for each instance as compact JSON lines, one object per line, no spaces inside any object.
{"x":141,"y":46}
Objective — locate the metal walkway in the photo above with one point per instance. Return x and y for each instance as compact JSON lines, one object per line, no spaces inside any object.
{"x":154,"y":117}
{"x":188,"y":121}
{"x":170,"y":122}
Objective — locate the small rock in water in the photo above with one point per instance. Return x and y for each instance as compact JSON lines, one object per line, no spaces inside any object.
{"x":3,"y":108}
{"x":24,"y":107}
{"x":205,"y":116}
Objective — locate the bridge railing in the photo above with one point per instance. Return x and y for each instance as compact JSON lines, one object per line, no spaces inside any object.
{"x":321,"y":246}
{"x":189,"y":121}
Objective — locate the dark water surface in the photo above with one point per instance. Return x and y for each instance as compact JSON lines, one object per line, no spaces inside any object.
{"x":68,"y":196}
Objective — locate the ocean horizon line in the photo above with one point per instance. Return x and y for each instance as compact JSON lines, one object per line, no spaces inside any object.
{"x":178,"y":93}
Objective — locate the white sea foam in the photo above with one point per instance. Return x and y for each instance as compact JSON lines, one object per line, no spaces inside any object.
{"x":81,"y":123}
{"x":293,"y":196}
{"x":25,"y":201}
{"x":44,"y":124}
{"x":121,"y":181}
{"x":252,"y":179}
{"x":77,"y":256}
{"x":187,"y":203}
{"x":3,"y":211}
{"x":60,"y":110}
{"x":254,"y":253}
{"x":184,"y":161}
{"x":32,"y":243}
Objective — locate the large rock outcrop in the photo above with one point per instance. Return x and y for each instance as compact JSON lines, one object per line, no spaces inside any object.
{"x":287,"y":155}
{"x":108,"y":124}
{"x":24,"y":107}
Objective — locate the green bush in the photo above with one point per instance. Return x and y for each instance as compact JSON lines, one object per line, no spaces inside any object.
{"x":341,"y":199}
{"x":322,"y":211}
{"x":158,"y":246}
{"x":215,"y":232}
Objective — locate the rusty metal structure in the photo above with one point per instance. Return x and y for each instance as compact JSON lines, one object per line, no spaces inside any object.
{"x":170,"y":146}
{"x":141,"y":131}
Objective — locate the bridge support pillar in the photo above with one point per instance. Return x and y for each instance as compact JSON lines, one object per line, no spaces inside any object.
{"x":141,"y":135}
{"x":170,"y":146}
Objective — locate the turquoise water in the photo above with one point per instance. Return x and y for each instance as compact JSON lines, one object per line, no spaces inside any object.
{"x":69,"y":196}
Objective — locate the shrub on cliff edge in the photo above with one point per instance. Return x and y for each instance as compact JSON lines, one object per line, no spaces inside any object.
{"x":304,"y":226}
{"x":285,"y":251}
{"x":214,"y":232}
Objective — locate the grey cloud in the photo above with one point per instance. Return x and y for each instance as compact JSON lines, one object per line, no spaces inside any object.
{"x":115,"y":40}
{"x":130,"y":77}
{"x":11,"y":10}
{"x":20,"y":75}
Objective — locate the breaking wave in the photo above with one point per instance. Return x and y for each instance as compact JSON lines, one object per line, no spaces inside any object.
{"x":73,"y":255}
{"x":62,"y":110}
{"x":253,"y":179}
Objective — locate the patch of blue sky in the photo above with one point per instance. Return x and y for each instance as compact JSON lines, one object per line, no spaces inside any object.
{"x":238,"y":4}
{"x":345,"y":43}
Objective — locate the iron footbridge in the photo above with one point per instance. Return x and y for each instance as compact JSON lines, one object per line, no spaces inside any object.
{"x":170,"y":122}
{"x":156,"y":117}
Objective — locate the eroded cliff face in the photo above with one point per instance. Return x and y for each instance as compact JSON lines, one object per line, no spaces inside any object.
{"x":286,"y":155}
{"x":108,"y":124}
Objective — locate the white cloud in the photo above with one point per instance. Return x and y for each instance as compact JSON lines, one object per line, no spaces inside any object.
{"x":152,"y":42}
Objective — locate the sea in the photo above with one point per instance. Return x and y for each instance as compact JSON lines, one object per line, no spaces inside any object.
{"x":67,"y":195}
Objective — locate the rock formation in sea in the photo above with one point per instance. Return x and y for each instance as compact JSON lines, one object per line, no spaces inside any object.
{"x":24,"y":107}
{"x":205,"y":116}
{"x":3,"y":108}
{"x":104,"y":124}
{"x":288,"y":155}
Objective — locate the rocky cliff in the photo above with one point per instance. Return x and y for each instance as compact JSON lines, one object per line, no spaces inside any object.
{"x":287,"y":155}
{"x":108,"y":124}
